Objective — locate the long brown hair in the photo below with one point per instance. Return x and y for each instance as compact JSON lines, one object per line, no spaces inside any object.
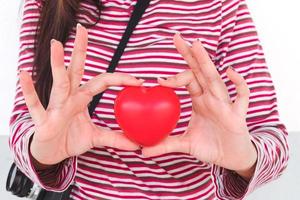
{"x":57,"y":19}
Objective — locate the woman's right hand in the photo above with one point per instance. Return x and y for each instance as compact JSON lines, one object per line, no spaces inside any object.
{"x":65,"y":128}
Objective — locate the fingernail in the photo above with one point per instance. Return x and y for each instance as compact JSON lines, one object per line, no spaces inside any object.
{"x":78,"y":25}
{"x":20,"y":71}
{"x":52,"y":41}
{"x":180,"y":35}
{"x":141,"y":80}
{"x":231,"y":68}
{"x":197,"y":40}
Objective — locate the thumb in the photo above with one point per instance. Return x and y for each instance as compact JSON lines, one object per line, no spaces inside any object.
{"x":106,"y":137}
{"x":171,"y":144}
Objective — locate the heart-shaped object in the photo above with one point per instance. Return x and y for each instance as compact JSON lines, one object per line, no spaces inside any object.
{"x":147,"y":115}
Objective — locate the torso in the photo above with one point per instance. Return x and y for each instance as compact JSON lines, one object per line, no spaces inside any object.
{"x":108,"y":173}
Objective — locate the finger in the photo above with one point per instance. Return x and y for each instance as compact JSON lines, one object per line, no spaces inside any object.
{"x":61,"y":85}
{"x":101,"y":82}
{"x":36,"y":109}
{"x":185,"y":78}
{"x":211,"y":75}
{"x":169,"y":145}
{"x":242,"y":100}
{"x":187,"y":54}
{"x":113,"y":139}
{"x":76,"y":68}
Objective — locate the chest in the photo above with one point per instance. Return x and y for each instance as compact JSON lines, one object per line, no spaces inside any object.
{"x":150,"y":52}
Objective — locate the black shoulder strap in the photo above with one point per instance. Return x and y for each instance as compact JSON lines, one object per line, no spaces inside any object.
{"x":136,"y":15}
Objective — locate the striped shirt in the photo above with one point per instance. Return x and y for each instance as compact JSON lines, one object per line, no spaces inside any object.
{"x":227,"y":32}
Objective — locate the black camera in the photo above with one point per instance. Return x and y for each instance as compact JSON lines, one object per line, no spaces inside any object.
{"x":20,"y":185}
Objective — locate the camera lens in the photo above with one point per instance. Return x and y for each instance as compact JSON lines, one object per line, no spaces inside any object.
{"x":17,"y":183}
{"x":10,"y":179}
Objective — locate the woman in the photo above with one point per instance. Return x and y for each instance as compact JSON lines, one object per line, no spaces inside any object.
{"x":229,"y":139}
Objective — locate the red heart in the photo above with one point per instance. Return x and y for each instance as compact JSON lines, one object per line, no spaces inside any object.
{"x":147,"y":115}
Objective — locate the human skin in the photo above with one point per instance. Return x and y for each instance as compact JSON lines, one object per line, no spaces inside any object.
{"x":217,"y":132}
{"x":65,"y":128}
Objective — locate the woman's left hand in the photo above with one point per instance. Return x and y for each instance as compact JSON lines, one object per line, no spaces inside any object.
{"x":217,"y":132}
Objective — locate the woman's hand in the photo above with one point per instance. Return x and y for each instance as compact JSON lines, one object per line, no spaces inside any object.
{"x":217,"y":132}
{"x":65,"y":128}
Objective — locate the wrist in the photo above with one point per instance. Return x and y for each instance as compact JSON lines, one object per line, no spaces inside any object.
{"x":38,"y":165}
{"x":248,"y":172}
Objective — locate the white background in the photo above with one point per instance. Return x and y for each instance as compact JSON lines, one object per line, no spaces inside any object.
{"x":279,"y":30}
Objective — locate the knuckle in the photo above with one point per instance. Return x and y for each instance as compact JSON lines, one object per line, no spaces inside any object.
{"x":100,"y":77}
{"x":103,"y":79}
{"x":186,"y":53}
{"x":97,"y":140}
{"x":79,"y":51}
{"x":64,"y":85}
{"x":61,"y":84}
{"x":177,"y":77}
{"x":209,"y":78}
{"x":123,"y":76}
{"x":172,"y":79}
{"x":34,"y":103}
{"x":86,"y":91}
{"x":244,"y":90}
{"x":104,"y":76}
{"x":77,"y":71}
{"x":118,"y":73}
{"x":105,"y":82}
{"x":247,"y":91}
{"x":245,"y":86}
{"x":188,"y":72}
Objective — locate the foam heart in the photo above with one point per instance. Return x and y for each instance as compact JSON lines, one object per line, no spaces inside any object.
{"x":147,"y":115}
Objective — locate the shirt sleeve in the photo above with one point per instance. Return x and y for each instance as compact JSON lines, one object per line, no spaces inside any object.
{"x":21,"y":125}
{"x":240,"y":48}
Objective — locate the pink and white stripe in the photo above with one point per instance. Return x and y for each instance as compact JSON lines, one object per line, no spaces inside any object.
{"x":227,"y":31}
